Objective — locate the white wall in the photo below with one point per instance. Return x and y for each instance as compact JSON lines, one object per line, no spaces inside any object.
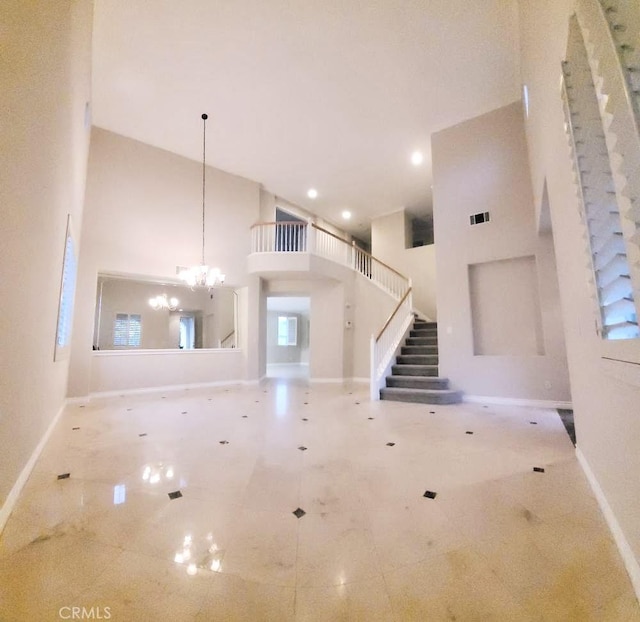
{"x":605,"y":406}
{"x":143,"y":217}
{"x":123,"y":371}
{"x":481,"y":165}
{"x":45,"y":83}
{"x":389,"y":235}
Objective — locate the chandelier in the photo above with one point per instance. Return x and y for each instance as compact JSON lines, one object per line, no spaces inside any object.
{"x":162,"y":302}
{"x":202,"y":275}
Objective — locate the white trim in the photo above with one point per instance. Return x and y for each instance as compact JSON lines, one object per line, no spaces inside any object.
{"x":423,"y":315}
{"x":512,"y":401}
{"x":158,"y":352}
{"x":166,"y":388}
{"x":250,"y":383}
{"x":626,"y":552}
{"x":14,"y":493}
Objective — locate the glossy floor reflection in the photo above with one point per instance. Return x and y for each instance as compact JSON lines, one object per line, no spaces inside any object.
{"x":498,"y":542}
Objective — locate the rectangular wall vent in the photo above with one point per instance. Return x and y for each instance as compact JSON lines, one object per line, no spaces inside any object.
{"x":477,"y":219}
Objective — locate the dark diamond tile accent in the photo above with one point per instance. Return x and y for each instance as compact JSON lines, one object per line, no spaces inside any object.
{"x":357,"y":403}
{"x":299,"y":513}
{"x":257,"y":401}
{"x":304,"y":419}
{"x":64,"y":476}
{"x":306,"y":403}
{"x":432,"y":412}
{"x":164,"y":397}
{"x":538,"y":469}
{"x":244,"y":416}
{"x":370,"y":418}
{"x":184,"y":412}
{"x":429,"y":494}
{"x":485,"y":407}
{"x":129,"y":409}
{"x":468,"y":432}
{"x":81,"y":405}
{"x":302,"y":448}
{"x":224,"y":442}
{"x":75,"y":428}
{"x":175,"y":495}
{"x":265,"y":391}
{"x":533,"y":422}
{"x":143,"y":434}
{"x":209,"y":399}
{"x":390,"y":444}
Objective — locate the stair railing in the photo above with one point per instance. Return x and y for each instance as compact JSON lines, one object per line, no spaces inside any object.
{"x":229,"y":341}
{"x":278,"y":237}
{"x":386,"y":342}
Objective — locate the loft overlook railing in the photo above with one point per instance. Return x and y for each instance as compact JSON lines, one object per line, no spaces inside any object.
{"x":302,"y":237}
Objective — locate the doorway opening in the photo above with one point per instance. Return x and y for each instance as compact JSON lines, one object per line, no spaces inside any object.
{"x":288,"y":322}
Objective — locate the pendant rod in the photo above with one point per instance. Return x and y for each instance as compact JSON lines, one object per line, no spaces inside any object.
{"x":204,"y":155}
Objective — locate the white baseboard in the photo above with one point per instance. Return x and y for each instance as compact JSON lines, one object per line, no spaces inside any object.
{"x":512,"y":401}
{"x":251,"y":383}
{"x":167,"y":388}
{"x":14,"y":493}
{"x":628,"y":557}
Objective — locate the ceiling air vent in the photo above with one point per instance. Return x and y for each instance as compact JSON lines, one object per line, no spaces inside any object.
{"x":478,"y":219}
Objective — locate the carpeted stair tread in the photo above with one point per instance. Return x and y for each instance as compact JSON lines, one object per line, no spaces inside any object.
{"x":422,"y":341}
{"x":421,"y":396}
{"x":414,"y":370}
{"x":417,"y":359}
{"x":418,"y":382}
{"x":415,"y":373}
{"x":432,"y":349}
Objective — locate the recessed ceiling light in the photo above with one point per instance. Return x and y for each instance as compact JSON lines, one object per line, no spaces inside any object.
{"x":417,"y":158}
{"x":312,"y":193}
{"x":346,"y":214}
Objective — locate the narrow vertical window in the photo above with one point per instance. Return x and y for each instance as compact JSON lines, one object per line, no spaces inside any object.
{"x":287,"y":331}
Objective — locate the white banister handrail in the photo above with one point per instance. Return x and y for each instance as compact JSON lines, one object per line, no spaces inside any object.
{"x":296,"y":236}
{"x":386,"y":342}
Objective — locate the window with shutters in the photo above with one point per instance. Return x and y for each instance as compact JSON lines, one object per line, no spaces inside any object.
{"x":287,"y":330}
{"x":601,"y":213}
{"x":127,"y":330}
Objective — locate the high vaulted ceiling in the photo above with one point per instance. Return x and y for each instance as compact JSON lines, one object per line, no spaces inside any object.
{"x":329,"y":94}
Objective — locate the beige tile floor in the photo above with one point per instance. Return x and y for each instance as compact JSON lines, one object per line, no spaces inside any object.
{"x":498,"y":542}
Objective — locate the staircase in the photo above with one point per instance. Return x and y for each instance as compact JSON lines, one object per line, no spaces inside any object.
{"x":415,"y":375}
